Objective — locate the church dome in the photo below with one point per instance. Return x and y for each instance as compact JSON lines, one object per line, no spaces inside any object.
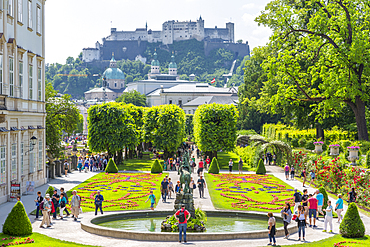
{"x":155,"y":62}
{"x":113,"y":72}
{"x":172,"y":64}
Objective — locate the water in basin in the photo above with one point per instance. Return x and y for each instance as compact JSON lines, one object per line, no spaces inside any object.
{"x":214,"y":224}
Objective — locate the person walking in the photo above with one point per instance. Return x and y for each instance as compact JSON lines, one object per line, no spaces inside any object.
{"x":305,"y":203}
{"x":201,"y":185}
{"x":178,"y":187}
{"x":46,"y":208}
{"x":352,"y":196}
{"x":170,"y":188}
{"x":38,"y":201}
{"x":66,"y":167}
{"x":66,"y":197}
{"x":192,"y":185}
{"x":79,"y":165}
{"x":240,"y":166}
{"x":208,"y":163}
{"x":274,"y":159}
{"x":339,"y":207}
{"x":200,"y":167}
{"x":287,"y":217}
{"x":231,"y":165}
{"x":301,"y":222}
{"x":55,"y":201}
{"x":320,"y":203}
{"x":328,"y":217}
{"x":313,"y":176}
{"x":182,"y":216}
{"x":62,"y":205}
{"x":152,"y":200}
{"x":98,"y":202}
{"x":297,"y":199}
{"x":75,"y":204}
{"x":286,"y":169}
{"x":292,"y":171}
{"x":304,"y":176}
{"x":271,"y":228}
{"x":164,"y":189}
{"x":312,"y":209}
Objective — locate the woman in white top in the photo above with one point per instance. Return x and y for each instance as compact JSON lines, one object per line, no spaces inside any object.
{"x":231,"y":165}
{"x":271,"y":228}
{"x":328,"y":217}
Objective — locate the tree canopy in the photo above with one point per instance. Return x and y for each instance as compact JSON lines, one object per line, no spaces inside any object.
{"x":323,"y":56}
{"x":132,"y":97}
{"x":215,"y":127}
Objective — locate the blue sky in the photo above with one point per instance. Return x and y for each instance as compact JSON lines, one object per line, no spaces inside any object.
{"x":74,"y":24}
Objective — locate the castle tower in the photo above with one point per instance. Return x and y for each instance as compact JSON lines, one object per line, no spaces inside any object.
{"x":200,"y":27}
{"x":172,"y":67}
{"x":155,"y":65}
{"x":230,"y":27}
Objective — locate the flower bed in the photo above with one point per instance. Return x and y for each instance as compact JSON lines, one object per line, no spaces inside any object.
{"x":121,"y":191}
{"x":250,"y":192}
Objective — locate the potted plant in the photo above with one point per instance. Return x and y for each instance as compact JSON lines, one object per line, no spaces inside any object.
{"x":334,"y":149}
{"x":353,"y":154}
{"x":318,"y":146}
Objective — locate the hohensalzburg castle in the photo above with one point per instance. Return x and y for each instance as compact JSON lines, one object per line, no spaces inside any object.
{"x":132,"y":44}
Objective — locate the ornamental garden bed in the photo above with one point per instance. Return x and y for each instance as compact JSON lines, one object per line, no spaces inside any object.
{"x":250,"y":192}
{"x":121,"y":191}
{"x":338,"y":241}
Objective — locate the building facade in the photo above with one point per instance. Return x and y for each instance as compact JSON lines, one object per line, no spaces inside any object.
{"x":22,"y":95}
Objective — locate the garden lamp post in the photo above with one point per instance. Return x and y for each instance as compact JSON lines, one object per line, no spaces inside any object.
{"x":74,"y":157}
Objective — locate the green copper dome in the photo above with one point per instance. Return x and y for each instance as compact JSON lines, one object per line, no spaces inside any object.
{"x":113,"y":72}
{"x":172,"y":64}
{"x":155,"y":62}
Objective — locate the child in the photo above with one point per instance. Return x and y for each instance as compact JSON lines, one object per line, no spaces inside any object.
{"x":152,"y":200}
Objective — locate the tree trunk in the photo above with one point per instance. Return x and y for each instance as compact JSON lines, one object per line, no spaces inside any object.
{"x":359,"y":109}
{"x":119,"y":157}
{"x":319,"y":132}
{"x":126,"y":154}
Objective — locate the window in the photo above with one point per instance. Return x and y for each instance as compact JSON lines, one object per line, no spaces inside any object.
{"x":2,"y":165}
{"x":170,"y":101}
{"x":38,"y":19}
{"x":32,"y":162}
{"x":30,"y":14}
{"x":21,"y":79}
{"x":14,"y":162}
{"x":11,"y":76}
{"x":22,"y":158}
{"x":40,"y":155}
{"x":1,"y":74}
{"x":10,"y":7}
{"x":39,"y":92}
{"x":189,"y":111}
{"x":20,"y":10}
{"x":180,"y":102}
{"x":30,"y":96}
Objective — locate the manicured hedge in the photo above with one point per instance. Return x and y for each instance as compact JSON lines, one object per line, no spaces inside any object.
{"x":17,"y":223}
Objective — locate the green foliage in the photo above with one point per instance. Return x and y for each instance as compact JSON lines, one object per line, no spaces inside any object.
{"x":50,"y":191}
{"x":164,"y":126}
{"x":326,"y":198}
{"x":200,"y":215}
{"x":111,"y":126}
{"x":368,"y":159}
{"x":246,"y":132}
{"x":132,"y":97}
{"x":215,"y":127}
{"x":111,"y":167}
{"x":189,"y":126}
{"x":80,"y":124}
{"x":156,"y":167}
{"x":61,"y":114}
{"x":352,"y":225}
{"x":261,"y":169}
{"x":214,"y":168}
{"x":247,"y":154}
{"x":17,"y":223}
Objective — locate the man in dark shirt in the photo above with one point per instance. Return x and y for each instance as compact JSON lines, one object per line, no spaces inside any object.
{"x":164,"y":189}
{"x":98,"y":202}
{"x":201,"y":185}
{"x":305,"y":203}
{"x":55,"y":200}
{"x":66,"y":197}
{"x":297,"y":199}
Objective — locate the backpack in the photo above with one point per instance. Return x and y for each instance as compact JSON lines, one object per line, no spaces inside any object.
{"x":41,"y":206}
{"x":182,"y":216}
{"x":62,"y":204}
{"x":299,"y":197}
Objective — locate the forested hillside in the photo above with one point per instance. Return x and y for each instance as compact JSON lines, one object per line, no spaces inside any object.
{"x":75,"y":77}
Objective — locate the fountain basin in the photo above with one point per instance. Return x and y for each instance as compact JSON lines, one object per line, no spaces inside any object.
{"x":91,"y":225}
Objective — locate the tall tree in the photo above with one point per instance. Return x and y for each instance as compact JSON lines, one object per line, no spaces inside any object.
{"x":215,"y":127}
{"x":164,"y":126}
{"x":323,"y":55}
{"x":132,"y":97}
{"x":61,"y":114}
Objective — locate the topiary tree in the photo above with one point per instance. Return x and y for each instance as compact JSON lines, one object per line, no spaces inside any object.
{"x":368,"y":159}
{"x":17,"y":223}
{"x":111,"y":167}
{"x":156,"y":167}
{"x":261,"y":169}
{"x":50,"y":191}
{"x":352,"y":225}
{"x":326,"y":198}
{"x":214,"y":167}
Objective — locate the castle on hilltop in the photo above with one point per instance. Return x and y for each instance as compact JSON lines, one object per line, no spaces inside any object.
{"x":132,"y":44}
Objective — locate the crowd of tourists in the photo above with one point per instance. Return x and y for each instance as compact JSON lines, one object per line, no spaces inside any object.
{"x":92,"y":163}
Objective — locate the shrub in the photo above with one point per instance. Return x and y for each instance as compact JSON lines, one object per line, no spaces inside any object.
{"x":326,"y":198}
{"x":302,"y":142}
{"x":261,"y":169}
{"x":352,"y":225}
{"x":111,"y":167}
{"x":214,"y":167}
{"x":156,"y":167}
{"x":50,"y":191}
{"x":368,"y":159}
{"x":17,"y":223}
{"x":294,"y":142}
{"x":310,"y":145}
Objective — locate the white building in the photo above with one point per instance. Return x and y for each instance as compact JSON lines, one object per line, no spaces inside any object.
{"x":22,"y":95}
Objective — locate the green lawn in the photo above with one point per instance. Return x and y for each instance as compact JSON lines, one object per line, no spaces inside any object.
{"x":329,"y":242}
{"x":250,"y":192}
{"x":121,"y":191}
{"x":136,"y":165}
{"x":40,"y":241}
{"x":223,"y":159}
